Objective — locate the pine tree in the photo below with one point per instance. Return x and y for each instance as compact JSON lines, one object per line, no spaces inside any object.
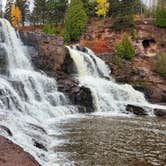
{"x":40,"y":11}
{"x":125,"y":49}
{"x":123,"y":12}
{"x":24,"y":8}
{"x":8,"y":7}
{"x":75,"y":21}
{"x":56,"y":10}
{"x":160,"y":15}
{"x":90,"y":7}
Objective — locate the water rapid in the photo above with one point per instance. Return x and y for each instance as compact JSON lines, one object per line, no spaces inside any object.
{"x":30,"y":103}
{"x":108,"y":95}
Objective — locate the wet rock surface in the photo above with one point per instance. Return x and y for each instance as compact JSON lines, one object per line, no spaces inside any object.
{"x":3,"y":60}
{"x":3,"y":54}
{"x":136,"y":110}
{"x":160,"y":112}
{"x":13,"y":155}
{"x":78,"y":95}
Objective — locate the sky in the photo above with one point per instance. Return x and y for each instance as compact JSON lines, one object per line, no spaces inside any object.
{"x":3,"y":2}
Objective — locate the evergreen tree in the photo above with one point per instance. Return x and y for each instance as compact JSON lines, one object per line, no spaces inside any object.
{"x":75,"y":21}
{"x":39,"y":13}
{"x":125,"y":49}
{"x":8,"y":8}
{"x":160,"y":15}
{"x":123,"y":12}
{"x":24,"y":8}
{"x":90,"y":7}
{"x":56,"y":10}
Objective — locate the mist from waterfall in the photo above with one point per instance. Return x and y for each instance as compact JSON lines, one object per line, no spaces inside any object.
{"x":30,"y":103}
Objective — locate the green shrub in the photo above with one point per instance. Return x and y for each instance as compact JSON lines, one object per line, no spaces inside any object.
{"x":49,"y":29}
{"x":133,"y":34}
{"x":75,"y":21}
{"x":125,"y":49}
{"x":123,"y":22}
{"x":117,"y":61}
{"x":160,"y":17}
{"x":65,"y":35}
{"x":161,"y":64}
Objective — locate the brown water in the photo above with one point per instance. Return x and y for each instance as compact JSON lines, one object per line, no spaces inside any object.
{"x":113,"y":141}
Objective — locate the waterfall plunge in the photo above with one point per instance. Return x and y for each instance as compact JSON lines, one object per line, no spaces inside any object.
{"x":108,"y":96}
{"x":31,"y":110}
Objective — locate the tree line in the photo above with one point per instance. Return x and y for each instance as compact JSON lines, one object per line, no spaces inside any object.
{"x":72,"y":18}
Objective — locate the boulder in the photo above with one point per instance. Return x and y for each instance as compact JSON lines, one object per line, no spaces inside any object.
{"x":136,"y":110}
{"x":160,"y":112}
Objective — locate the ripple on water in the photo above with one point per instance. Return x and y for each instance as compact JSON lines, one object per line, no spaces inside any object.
{"x":115,"y":141}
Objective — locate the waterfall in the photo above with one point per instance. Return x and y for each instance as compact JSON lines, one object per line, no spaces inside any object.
{"x":30,"y":103}
{"x":108,"y":96}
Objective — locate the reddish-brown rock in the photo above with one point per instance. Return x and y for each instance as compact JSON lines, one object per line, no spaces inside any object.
{"x":13,"y":155}
{"x":50,"y":49}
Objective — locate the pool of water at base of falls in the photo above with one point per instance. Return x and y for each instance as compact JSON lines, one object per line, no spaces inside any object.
{"x":111,"y":140}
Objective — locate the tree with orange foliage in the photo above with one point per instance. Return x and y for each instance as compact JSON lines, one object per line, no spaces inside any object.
{"x":16,"y":16}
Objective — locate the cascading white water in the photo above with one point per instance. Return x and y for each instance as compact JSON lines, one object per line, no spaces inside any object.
{"x":30,"y":103}
{"x":107,"y":94}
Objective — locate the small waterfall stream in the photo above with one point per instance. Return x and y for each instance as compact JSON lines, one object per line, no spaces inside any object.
{"x":108,"y":96}
{"x":30,"y":103}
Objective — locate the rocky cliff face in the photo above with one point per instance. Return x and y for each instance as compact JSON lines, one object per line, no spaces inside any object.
{"x":49,"y":54}
{"x":140,"y":71}
{"x":50,"y":49}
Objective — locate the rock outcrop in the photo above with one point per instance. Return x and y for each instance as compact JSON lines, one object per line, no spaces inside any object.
{"x":139,"y":72}
{"x":136,"y":110}
{"x":13,"y":155}
{"x":160,"y":112}
{"x":49,"y":54}
{"x":50,"y":50}
{"x":78,"y":95}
